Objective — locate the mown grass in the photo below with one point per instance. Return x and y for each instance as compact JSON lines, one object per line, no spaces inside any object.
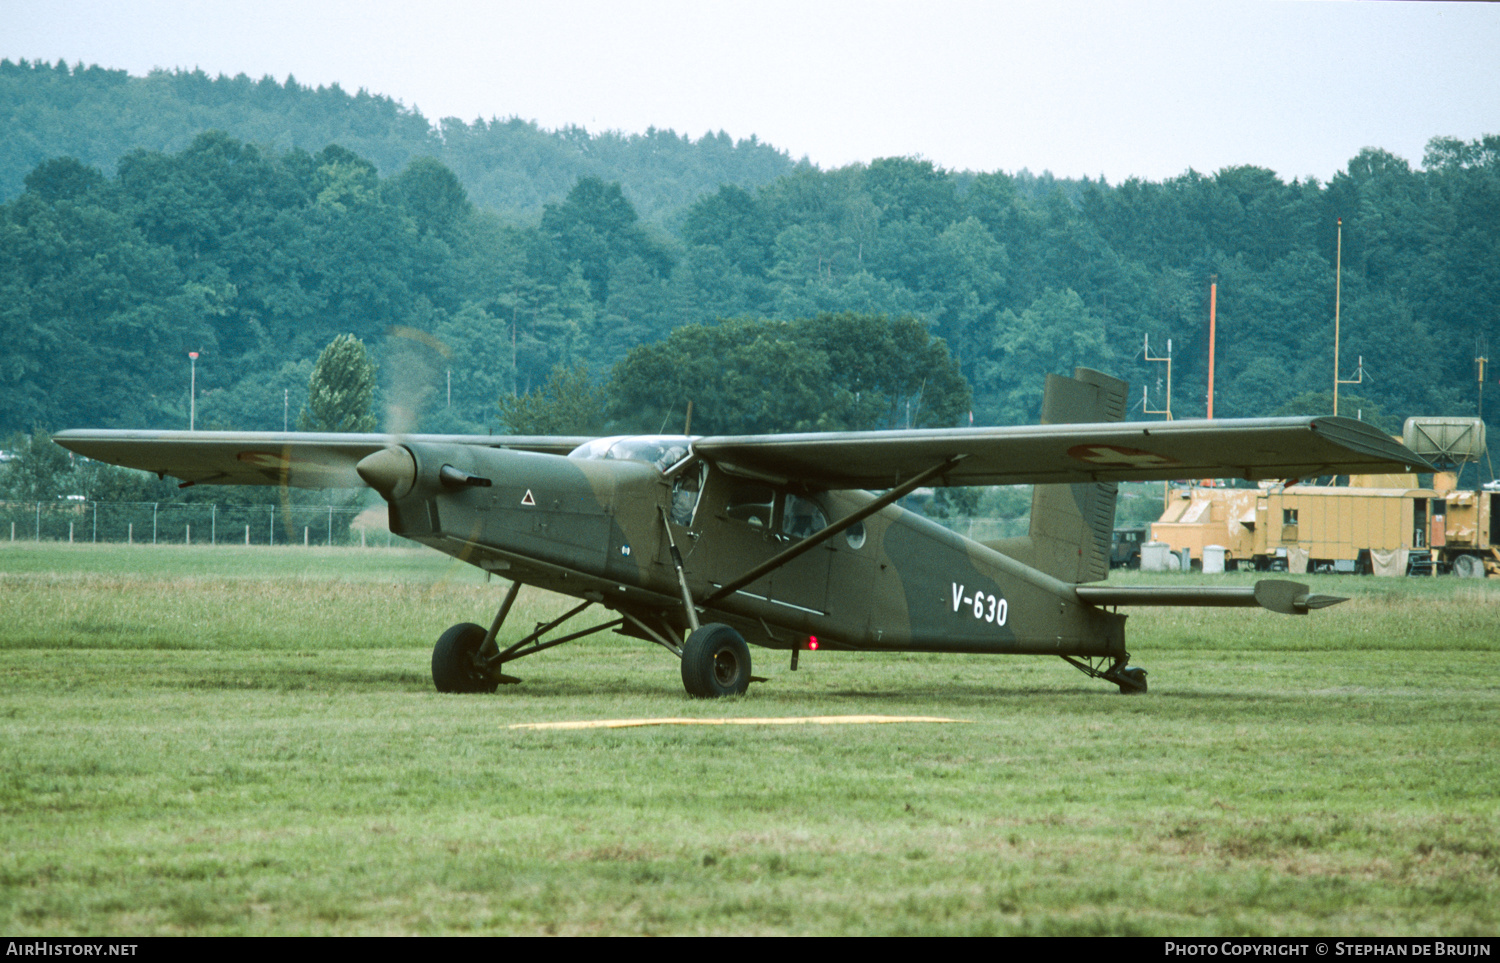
{"x":247,"y":741}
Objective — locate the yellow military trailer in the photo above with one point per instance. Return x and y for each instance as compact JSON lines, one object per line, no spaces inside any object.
{"x":1380,"y":524}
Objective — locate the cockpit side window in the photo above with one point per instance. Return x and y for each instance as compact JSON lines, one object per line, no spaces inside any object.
{"x":687,"y":488}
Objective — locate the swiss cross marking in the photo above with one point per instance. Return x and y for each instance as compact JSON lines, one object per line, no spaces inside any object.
{"x":1115,"y":456}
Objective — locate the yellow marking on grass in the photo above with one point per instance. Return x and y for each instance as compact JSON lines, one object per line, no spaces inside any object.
{"x":750,"y":721}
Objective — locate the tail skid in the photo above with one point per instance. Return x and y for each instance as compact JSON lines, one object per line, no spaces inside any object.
{"x":1130,"y":678}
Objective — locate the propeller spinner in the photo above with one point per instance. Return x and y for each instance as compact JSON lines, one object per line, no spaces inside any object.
{"x":391,"y":471}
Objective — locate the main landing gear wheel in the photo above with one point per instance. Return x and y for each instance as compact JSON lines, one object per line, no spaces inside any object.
{"x":715,"y":662}
{"x":453,"y":665}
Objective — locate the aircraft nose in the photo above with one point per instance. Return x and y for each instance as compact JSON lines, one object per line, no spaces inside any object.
{"x":390,"y":471}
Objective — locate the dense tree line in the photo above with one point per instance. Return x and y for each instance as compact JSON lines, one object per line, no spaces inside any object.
{"x":842,"y":372}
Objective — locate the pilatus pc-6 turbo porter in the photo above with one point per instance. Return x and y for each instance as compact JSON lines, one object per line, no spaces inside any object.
{"x":790,"y":542}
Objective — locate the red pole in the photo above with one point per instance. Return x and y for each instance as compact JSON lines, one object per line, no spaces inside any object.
{"x":1213,"y":306}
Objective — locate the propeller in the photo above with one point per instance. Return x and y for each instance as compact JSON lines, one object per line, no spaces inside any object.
{"x":414,"y":359}
{"x":414,"y":366}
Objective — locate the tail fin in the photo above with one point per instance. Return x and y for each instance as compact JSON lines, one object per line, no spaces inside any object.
{"x":1071,"y":525}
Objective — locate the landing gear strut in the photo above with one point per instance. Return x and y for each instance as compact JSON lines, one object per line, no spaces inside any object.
{"x":467,"y":658}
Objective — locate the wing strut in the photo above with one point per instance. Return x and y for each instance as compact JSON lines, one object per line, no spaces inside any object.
{"x":848,"y":521}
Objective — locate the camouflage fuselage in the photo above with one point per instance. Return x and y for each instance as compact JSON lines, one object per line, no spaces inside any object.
{"x":596,"y":529}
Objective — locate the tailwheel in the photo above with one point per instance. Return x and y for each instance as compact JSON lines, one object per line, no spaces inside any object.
{"x":715,"y":662}
{"x":454,"y":667}
{"x":1130,"y":678}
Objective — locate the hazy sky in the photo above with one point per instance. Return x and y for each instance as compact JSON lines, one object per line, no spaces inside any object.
{"x":1119,"y":89}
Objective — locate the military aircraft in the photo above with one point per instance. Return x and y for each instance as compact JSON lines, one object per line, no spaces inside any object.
{"x":704,"y":544}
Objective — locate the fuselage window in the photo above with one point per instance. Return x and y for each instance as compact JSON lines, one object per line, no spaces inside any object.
{"x":855,"y":535}
{"x":802,"y":517}
{"x":751,"y":502}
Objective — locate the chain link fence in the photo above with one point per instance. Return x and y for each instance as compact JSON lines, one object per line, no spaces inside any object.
{"x":193,"y":523}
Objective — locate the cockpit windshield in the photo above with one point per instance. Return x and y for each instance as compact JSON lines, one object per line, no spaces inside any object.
{"x":659,"y":451}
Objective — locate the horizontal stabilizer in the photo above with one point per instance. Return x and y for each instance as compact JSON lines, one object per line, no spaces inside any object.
{"x":1278,"y":595}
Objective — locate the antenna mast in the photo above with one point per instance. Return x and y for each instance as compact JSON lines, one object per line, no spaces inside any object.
{"x":1145,"y":396}
{"x":1338,"y":280}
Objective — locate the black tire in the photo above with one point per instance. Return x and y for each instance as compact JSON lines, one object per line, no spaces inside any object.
{"x":453,"y":668}
{"x":715,"y":662}
{"x":1468,"y":566}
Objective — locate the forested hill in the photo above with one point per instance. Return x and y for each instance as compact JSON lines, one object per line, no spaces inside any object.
{"x":258,"y":256}
{"x":510,"y":166}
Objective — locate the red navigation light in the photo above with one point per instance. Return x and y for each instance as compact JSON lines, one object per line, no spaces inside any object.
{"x":812,"y":643}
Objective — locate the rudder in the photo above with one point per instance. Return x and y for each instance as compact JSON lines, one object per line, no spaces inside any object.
{"x":1071,"y":525}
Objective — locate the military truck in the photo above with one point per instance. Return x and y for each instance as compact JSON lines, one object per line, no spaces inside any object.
{"x":1125,"y":545}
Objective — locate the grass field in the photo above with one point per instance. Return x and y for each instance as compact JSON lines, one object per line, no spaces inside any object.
{"x":246,"y":741}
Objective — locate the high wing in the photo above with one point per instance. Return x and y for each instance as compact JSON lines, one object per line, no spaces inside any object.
{"x":298,"y":459}
{"x":1033,"y":454}
{"x":1071,"y":453}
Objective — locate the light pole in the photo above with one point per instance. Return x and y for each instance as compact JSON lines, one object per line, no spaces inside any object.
{"x":193,"y":393}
